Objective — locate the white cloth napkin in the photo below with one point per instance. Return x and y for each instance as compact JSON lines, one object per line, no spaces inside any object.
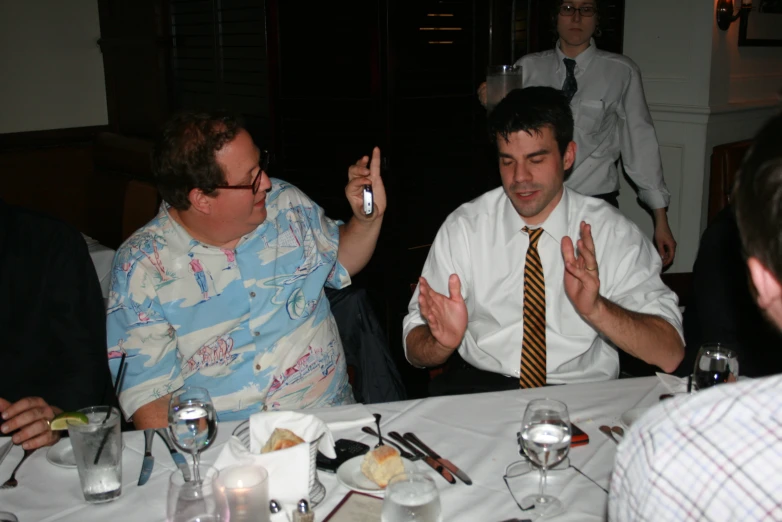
{"x":344,"y":418}
{"x":289,"y":469}
{"x":673,"y":383}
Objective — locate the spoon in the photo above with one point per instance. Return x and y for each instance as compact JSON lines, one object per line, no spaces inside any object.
{"x":379,"y":434}
{"x":609,"y":433}
{"x":619,"y":431}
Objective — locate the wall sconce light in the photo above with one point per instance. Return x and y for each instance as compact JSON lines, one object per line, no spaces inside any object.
{"x":725,"y":14}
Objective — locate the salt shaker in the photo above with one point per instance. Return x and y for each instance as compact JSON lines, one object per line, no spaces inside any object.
{"x":274,"y":506}
{"x":303,"y":513}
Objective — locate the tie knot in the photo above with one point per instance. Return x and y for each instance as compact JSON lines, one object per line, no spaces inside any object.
{"x":534,"y":235}
{"x":570,"y":64}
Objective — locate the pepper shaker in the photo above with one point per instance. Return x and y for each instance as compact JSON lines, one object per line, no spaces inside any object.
{"x":303,"y":513}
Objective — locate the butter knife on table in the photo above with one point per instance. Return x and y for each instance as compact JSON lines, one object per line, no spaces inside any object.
{"x":149,"y":460}
{"x":179,"y":459}
{"x":450,"y":466}
{"x":439,"y":468}
{"x":6,"y":449}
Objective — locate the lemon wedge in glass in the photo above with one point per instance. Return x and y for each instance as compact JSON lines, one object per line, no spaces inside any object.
{"x":60,"y":422}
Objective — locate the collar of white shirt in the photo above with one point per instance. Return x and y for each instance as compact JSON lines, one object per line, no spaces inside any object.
{"x":555,"y":224}
{"x":582,"y":60}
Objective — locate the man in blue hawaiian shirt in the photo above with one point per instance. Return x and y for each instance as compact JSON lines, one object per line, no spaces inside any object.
{"x":224,"y":287}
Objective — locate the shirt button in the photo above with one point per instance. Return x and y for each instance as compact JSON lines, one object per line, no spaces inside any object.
{"x":256,"y":334}
{"x":252,"y":294}
{"x":265,"y":407}
{"x":258,"y":367}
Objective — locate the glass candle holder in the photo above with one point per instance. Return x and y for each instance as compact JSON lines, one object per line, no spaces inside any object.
{"x":246,"y":490}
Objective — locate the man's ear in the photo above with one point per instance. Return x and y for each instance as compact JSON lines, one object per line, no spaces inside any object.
{"x":570,"y":156}
{"x":200,"y":202}
{"x":769,"y":289}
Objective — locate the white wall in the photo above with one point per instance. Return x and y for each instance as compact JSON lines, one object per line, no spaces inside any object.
{"x":51,"y":70}
{"x":703,"y":90}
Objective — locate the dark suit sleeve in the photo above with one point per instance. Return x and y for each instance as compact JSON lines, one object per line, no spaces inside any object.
{"x":78,"y":326}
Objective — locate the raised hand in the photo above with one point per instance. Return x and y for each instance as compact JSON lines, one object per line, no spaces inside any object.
{"x":366,"y":172}
{"x":446,"y":315}
{"x":582,"y":278}
{"x":28,"y":420}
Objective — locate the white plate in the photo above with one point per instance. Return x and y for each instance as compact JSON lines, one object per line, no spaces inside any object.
{"x":630,"y":416}
{"x":349,"y":474}
{"x":61,"y":454}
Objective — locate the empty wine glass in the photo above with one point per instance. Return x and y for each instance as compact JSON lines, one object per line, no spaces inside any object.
{"x":715,"y":364}
{"x":192,"y":422}
{"x":545,"y":437}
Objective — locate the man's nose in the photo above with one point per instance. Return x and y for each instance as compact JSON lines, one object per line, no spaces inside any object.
{"x":522,"y":173}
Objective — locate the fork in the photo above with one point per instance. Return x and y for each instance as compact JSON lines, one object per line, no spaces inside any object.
{"x":12,"y":482}
{"x":402,"y":452}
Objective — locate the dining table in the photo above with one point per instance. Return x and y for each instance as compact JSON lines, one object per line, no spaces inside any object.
{"x":478,"y":433}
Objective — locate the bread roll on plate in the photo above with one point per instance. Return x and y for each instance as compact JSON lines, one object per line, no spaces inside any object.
{"x":382,"y":463}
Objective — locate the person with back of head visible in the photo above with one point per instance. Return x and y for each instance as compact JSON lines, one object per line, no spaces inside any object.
{"x":224,"y":288}
{"x":533,"y":283}
{"x":715,"y":456}
{"x":611,"y":115}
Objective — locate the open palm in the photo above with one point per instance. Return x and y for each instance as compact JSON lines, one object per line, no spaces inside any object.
{"x":446,"y":315}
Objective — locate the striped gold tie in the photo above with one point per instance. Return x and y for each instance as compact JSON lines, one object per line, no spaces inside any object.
{"x":533,"y":344}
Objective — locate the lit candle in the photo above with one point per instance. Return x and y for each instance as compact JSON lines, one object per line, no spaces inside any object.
{"x":247,"y":493}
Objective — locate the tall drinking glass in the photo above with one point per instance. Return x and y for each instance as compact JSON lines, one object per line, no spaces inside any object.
{"x":101,"y":478}
{"x":545,"y":437}
{"x":192,"y":422}
{"x":193,"y":501}
{"x":715,"y":364}
{"x":411,"y":497}
{"x":500,"y":80}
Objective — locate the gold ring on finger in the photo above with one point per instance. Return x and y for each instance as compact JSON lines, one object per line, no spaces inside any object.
{"x":591,"y":269}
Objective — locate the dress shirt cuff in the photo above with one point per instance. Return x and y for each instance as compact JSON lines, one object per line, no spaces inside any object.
{"x":655,"y":199}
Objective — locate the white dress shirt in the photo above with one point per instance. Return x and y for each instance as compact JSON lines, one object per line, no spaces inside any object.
{"x":611,"y":118}
{"x":712,"y":457}
{"x":484,"y":244}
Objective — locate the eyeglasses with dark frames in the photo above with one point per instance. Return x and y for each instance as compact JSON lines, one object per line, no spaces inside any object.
{"x":256,"y":184}
{"x":585,"y":10}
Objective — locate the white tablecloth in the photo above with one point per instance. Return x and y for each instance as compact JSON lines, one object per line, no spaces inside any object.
{"x":102,"y":257}
{"x":476,"y":432}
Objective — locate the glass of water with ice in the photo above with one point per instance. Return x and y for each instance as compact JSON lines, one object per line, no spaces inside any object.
{"x":411,"y":497}
{"x":545,"y":437}
{"x":101,"y":478}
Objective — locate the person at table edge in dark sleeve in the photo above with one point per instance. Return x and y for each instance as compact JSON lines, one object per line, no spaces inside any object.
{"x":54,"y":326}
{"x":722,"y":308}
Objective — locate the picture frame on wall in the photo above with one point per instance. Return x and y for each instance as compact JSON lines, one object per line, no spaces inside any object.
{"x":762,"y":25}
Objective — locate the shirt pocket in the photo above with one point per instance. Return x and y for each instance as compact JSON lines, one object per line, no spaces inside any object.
{"x":571,"y":324}
{"x":590,"y":115}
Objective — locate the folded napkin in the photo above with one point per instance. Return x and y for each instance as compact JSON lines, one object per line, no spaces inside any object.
{"x":289,"y":469}
{"x":89,"y":240}
{"x":673,"y":383}
{"x":344,"y":418}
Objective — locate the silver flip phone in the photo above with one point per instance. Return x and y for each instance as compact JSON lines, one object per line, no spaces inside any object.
{"x":368,"y":202}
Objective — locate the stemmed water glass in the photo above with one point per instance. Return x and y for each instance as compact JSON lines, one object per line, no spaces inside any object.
{"x":545,"y":437}
{"x":715,"y":364}
{"x":192,"y":422}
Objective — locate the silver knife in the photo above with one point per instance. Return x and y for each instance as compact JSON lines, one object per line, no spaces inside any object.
{"x":5,"y":450}
{"x":450,"y":466}
{"x":149,"y":460}
{"x":179,"y":459}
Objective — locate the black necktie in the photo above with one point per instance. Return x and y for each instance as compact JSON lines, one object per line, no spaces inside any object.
{"x":570,"y":86}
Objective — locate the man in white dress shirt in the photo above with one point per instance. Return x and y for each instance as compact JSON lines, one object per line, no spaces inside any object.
{"x":716,"y":456}
{"x":603,"y":295}
{"x":610,"y":113}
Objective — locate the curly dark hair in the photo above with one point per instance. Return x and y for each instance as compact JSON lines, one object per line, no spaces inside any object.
{"x":529,"y":110}
{"x":183,"y":157}
{"x":757,"y":198}
{"x":554,"y":6}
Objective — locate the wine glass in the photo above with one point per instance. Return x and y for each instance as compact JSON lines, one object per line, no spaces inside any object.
{"x":411,"y":497}
{"x":715,"y":364}
{"x":192,"y":422}
{"x":545,"y":437}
